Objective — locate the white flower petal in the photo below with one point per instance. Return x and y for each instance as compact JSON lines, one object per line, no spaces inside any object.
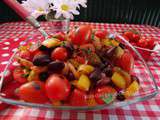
{"x":67,"y":15}
{"x":76,"y":12}
{"x":57,"y":15}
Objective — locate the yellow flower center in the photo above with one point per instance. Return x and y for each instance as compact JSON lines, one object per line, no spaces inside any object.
{"x":40,"y":9}
{"x":64,"y":7}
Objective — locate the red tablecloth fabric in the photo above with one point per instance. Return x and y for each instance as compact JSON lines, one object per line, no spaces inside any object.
{"x":16,"y":31}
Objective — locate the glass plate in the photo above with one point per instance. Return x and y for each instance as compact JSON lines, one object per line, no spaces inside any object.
{"x":148,"y":85}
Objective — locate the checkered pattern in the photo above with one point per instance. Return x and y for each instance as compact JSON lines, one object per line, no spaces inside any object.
{"x":11,"y":34}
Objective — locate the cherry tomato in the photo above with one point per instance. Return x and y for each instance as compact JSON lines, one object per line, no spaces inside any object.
{"x":151,"y":43}
{"x":20,"y":75}
{"x":25,"y":54}
{"x":125,"y":37}
{"x":81,"y":35}
{"x":127,"y":61}
{"x":136,"y":37}
{"x":59,"y":53}
{"x":57,"y":87}
{"x":102,"y":93}
{"x":32,"y":92}
{"x":101,"y":34}
{"x":78,"y":98}
{"x":142,"y":43}
{"x":129,"y":35}
{"x":60,"y":36}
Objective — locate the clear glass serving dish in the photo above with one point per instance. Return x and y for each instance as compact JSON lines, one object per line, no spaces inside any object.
{"x":148,"y":86}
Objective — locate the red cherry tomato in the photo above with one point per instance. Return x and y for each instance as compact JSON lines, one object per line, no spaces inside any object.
{"x":57,"y":87}
{"x":60,"y":36}
{"x":33,"y":92}
{"x":19,"y":74}
{"x":59,"y":53}
{"x":103,"y":92}
{"x":101,"y":34}
{"x":129,"y":35}
{"x":25,"y":54}
{"x":136,"y":37}
{"x":78,"y":98}
{"x":125,"y":37}
{"x":81,"y":35}
{"x":127,"y":61}
{"x":151,"y":43}
{"x":142,"y":43}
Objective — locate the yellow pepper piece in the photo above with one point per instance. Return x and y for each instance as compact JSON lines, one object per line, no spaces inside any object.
{"x":132,"y":89}
{"x":115,"y":43}
{"x":119,"y":80}
{"x":83,"y":83}
{"x":52,"y":42}
{"x":33,"y":76}
{"x":85,"y":69}
{"x":119,"y":52}
{"x":107,"y":42}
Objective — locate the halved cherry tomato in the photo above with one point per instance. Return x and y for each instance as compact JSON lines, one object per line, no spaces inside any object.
{"x":129,"y":35}
{"x":33,"y":92}
{"x":60,"y":36}
{"x":127,"y":61}
{"x":59,"y":53}
{"x":57,"y":87}
{"x":20,"y":75}
{"x":142,"y":43}
{"x":81,"y":35}
{"x":151,"y":43}
{"x":136,"y":37}
{"x":101,"y":34}
{"x":105,"y":94}
{"x":78,"y":98}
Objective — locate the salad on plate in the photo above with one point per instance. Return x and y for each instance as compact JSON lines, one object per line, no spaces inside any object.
{"x":83,"y":67}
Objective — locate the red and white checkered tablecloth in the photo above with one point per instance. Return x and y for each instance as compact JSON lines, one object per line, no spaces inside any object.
{"x":14,"y":32}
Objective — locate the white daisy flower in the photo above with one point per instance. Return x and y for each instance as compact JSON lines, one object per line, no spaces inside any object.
{"x":65,"y":8}
{"x":81,"y":2}
{"x":36,"y":7}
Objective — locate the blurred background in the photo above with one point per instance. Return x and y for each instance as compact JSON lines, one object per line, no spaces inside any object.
{"x":107,"y":11}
